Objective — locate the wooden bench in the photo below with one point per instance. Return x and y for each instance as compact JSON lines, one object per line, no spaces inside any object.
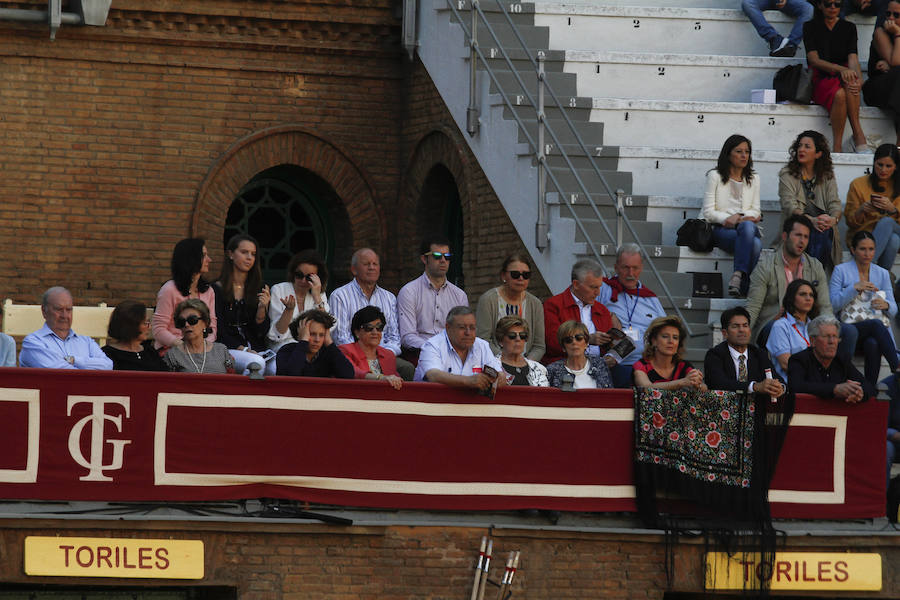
{"x":21,"y":319}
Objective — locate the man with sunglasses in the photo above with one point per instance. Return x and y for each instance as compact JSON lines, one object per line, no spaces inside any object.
{"x":364,"y":291}
{"x":579,"y":303}
{"x":633,"y":303}
{"x":423,"y":303}
{"x":780,"y":46}
{"x":55,"y":345}
{"x":457,"y":357}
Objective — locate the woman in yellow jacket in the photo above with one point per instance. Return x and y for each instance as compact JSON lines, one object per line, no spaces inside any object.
{"x":873,"y":204}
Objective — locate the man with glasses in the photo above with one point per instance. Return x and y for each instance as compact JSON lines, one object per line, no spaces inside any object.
{"x":579,"y":303}
{"x":423,"y":303}
{"x":364,"y":291}
{"x":457,"y":357}
{"x":55,"y":345}
{"x":801,"y":10}
{"x":633,"y":303}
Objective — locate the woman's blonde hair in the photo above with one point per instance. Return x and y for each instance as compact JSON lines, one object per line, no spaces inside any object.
{"x":655,"y":326}
{"x":570,"y":328}
{"x":507,"y":323}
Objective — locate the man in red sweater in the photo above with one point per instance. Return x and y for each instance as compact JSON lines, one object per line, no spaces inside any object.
{"x":579,"y":303}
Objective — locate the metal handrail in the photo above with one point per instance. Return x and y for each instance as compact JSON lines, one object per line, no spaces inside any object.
{"x":539,"y":149}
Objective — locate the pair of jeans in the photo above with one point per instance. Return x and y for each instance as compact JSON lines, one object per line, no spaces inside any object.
{"x":887,"y":242}
{"x":875,"y":341}
{"x":820,"y":245}
{"x":801,"y":10}
{"x":849,"y":337}
{"x":743,"y":242}
{"x":876,"y":7}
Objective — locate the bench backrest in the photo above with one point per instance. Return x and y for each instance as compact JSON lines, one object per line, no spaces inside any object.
{"x":21,"y":319}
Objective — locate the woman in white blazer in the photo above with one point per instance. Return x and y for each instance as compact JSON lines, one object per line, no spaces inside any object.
{"x":731,"y":204}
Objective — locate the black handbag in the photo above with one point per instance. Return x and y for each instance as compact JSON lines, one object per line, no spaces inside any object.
{"x":793,"y":82}
{"x":696,"y":234}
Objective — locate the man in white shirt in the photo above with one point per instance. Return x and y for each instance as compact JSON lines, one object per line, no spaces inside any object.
{"x":457,"y":357}
{"x":364,"y":291}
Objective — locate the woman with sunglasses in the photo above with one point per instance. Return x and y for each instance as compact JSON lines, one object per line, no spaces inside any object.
{"x":512,"y":298}
{"x":583,"y":371}
{"x":196,"y":354}
{"x":304,"y":290}
{"x":313,"y":354}
{"x":369,"y":359}
{"x":661,"y":366}
{"x":129,"y":347}
{"x":882,"y":89}
{"x":832,"y":56}
{"x":190,"y":262}
{"x":512,"y":335}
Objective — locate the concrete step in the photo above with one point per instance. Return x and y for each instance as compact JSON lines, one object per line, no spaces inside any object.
{"x":696,"y":124}
{"x":667,"y":29}
{"x":564,"y":84}
{"x":677,"y":172}
{"x":542,"y":5}
{"x":654,"y":76}
{"x":673,"y":211}
{"x":647,"y":232}
{"x":591,"y":133}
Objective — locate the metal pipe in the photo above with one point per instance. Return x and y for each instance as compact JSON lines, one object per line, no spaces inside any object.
{"x":37,"y":16}
{"x":542,"y":227}
{"x":620,"y":213}
{"x":472,"y":110}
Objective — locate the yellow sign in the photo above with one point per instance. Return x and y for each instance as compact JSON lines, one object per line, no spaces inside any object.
{"x":795,"y":571}
{"x":113,"y":557}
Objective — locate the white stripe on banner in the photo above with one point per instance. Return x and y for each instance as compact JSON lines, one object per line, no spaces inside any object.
{"x":33,"y":400}
{"x":837,"y":493}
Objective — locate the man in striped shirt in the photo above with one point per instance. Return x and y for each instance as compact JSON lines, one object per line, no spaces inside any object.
{"x":363,"y":291}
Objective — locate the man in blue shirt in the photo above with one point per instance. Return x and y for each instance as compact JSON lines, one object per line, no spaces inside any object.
{"x":457,"y":357}
{"x":634,"y":304}
{"x":55,"y":345}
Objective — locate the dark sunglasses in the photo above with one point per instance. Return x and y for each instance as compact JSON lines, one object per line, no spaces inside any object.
{"x":892,"y":14}
{"x":578,"y":336}
{"x":180,"y":322}
{"x":831,"y":4}
{"x":523,"y":274}
{"x":302,"y":275}
{"x":522,"y":335}
{"x":439,"y":255}
{"x":368,"y":327}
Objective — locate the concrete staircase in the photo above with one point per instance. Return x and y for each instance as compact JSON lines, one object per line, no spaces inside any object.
{"x":654,"y":90}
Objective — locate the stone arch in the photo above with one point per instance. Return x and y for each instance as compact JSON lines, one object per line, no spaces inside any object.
{"x":288,"y":145}
{"x":437,"y":147}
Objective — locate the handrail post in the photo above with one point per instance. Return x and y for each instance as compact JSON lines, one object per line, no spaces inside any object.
{"x":472,"y":110}
{"x":620,"y":213}
{"x":542,"y":228}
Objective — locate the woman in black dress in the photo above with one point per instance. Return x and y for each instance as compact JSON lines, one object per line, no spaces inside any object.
{"x":130,"y":348}
{"x":883,"y":86}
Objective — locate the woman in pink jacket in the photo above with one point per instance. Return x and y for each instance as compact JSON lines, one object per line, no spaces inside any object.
{"x":190,"y":261}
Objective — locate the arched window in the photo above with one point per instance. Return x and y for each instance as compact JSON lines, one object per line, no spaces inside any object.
{"x":440,"y":212}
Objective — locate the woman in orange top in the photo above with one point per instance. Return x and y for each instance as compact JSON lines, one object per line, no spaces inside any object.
{"x":873,"y":205}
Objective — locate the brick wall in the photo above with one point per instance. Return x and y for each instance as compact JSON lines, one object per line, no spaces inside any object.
{"x":121,"y":140}
{"x":281,"y":561}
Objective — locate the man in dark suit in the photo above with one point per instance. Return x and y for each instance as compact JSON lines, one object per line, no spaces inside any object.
{"x":735,"y":364}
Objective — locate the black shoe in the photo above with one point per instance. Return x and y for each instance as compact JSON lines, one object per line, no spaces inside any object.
{"x":785,"y":50}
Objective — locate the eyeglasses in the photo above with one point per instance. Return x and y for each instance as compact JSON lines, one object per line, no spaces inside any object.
{"x":892,"y":14}
{"x":439,"y":255}
{"x":302,"y":275}
{"x":180,"y":322}
{"x":522,"y":335}
{"x":578,"y":336}
{"x":831,"y":4}
{"x":369,"y":328}
{"x":523,"y":274}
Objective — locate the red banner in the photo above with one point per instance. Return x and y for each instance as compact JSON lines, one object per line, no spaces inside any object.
{"x":126,"y":436}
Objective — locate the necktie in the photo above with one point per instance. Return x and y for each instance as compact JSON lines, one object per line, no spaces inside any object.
{"x":742,"y":368}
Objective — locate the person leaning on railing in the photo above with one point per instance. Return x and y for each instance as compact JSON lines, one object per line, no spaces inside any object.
{"x":129,"y":347}
{"x":369,"y":358}
{"x":196,"y":353}
{"x":577,"y":369}
{"x":512,"y":334}
{"x":661,"y":366}
{"x":313,"y":354}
